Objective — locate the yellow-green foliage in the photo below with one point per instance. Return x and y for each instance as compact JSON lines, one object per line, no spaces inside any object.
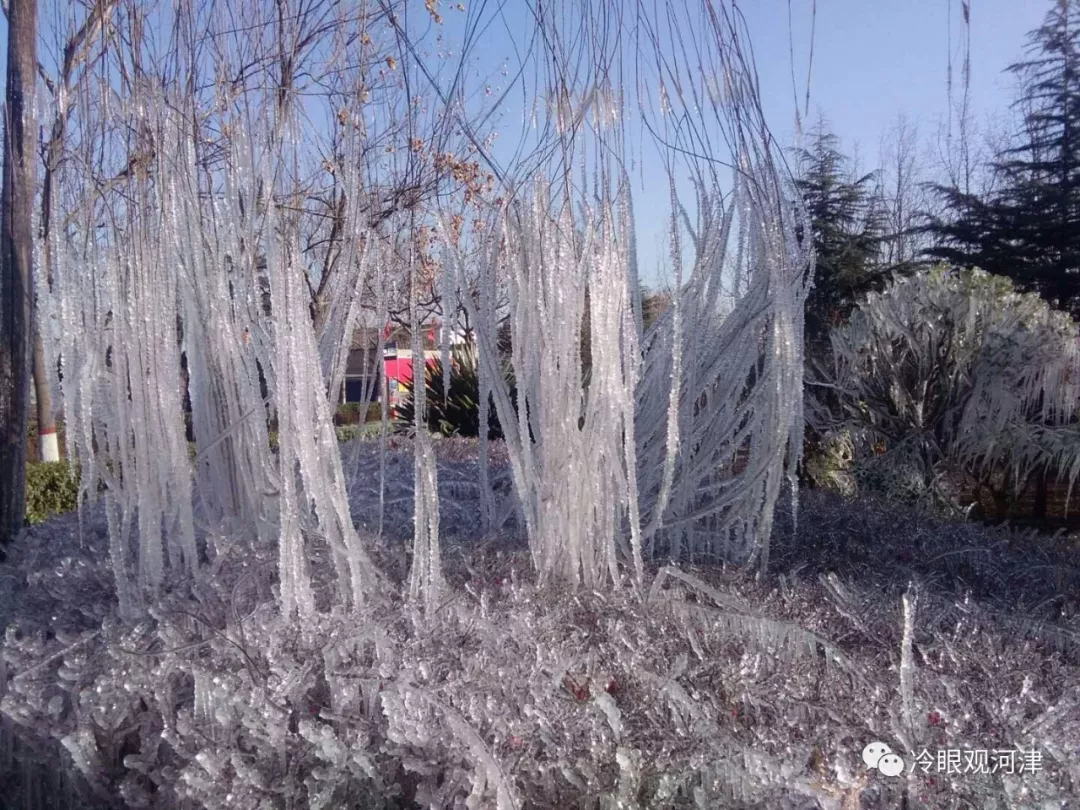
{"x":51,"y":488}
{"x":829,"y":464}
{"x":346,"y":433}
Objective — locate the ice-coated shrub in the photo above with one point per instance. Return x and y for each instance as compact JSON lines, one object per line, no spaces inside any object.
{"x":708,"y":690}
{"x":952,"y":370}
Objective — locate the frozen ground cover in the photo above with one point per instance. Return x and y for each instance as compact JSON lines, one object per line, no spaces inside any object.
{"x":713,"y":689}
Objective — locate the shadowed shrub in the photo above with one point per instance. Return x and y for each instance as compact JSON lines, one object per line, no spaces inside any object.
{"x":455,"y":412}
{"x":949,"y":374}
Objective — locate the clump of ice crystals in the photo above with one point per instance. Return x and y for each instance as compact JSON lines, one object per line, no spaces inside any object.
{"x":542,"y":695}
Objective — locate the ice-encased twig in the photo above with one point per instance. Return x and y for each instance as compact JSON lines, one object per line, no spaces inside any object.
{"x":739,"y":395}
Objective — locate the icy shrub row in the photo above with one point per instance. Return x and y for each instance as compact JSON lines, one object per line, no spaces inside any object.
{"x":711,"y":691}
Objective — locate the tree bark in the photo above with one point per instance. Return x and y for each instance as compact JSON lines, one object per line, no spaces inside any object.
{"x":48,"y":444}
{"x":16,"y":254}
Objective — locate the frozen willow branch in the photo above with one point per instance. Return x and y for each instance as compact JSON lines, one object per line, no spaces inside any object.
{"x":715,"y":432}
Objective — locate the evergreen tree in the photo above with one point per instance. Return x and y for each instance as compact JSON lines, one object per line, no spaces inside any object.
{"x":1029,"y":230}
{"x":847,"y":224}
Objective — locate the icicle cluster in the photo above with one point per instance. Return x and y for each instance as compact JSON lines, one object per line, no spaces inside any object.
{"x":731,"y":344}
{"x":218,"y":281}
{"x":119,"y":298}
{"x":570,"y":438}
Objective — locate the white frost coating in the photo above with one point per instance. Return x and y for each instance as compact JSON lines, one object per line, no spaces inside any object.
{"x":293,"y":405}
{"x":216,"y":280}
{"x":425,"y":575}
{"x":310,"y":443}
{"x":223,"y":330}
{"x":1012,"y":363}
{"x":674,"y":388}
{"x":907,"y":662}
{"x":50,"y":447}
{"x":448,"y":305}
{"x":119,"y":295}
{"x":716,"y":394}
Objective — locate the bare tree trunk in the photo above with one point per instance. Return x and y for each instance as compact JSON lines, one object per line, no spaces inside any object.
{"x":1003,"y":496}
{"x":16,"y":254}
{"x":48,"y":445}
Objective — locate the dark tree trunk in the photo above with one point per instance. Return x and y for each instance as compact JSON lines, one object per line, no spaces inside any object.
{"x":16,"y":253}
{"x":1003,"y":497}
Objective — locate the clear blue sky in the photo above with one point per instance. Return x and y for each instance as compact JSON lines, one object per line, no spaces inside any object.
{"x":876,"y":59}
{"x":873,"y":61}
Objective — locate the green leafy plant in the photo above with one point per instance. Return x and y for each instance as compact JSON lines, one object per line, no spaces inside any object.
{"x":828,"y":464}
{"x":455,"y":412}
{"x":346,"y":433}
{"x":357,"y":413}
{"x":51,"y":489}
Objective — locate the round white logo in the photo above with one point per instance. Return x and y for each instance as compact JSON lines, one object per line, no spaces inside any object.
{"x":878,"y":755}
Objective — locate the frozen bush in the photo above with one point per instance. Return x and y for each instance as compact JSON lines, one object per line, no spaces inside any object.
{"x":712,"y":689}
{"x":953,"y":369}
